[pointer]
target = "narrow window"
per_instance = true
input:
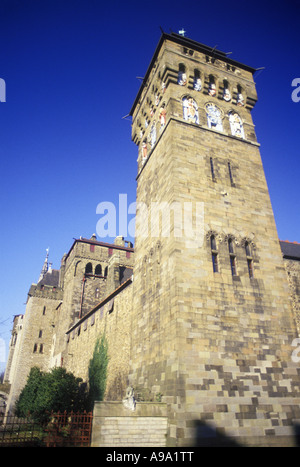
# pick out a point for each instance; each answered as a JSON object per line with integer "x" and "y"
{"x": 40, "y": 333}
{"x": 214, "y": 253}
{"x": 105, "y": 271}
{"x": 98, "y": 270}
{"x": 89, "y": 268}
{"x": 44, "y": 310}
{"x": 250, "y": 268}
{"x": 248, "y": 250}
{"x": 92, "y": 248}
{"x": 233, "y": 265}
{"x": 41, "y": 348}
{"x": 212, "y": 169}
{"x": 249, "y": 260}
{"x": 240, "y": 98}
{"x": 230, "y": 246}
{"x": 182, "y": 78}
{"x": 230, "y": 174}
{"x": 212, "y": 86}
{"x": 232, "y": 257}
{"x": 34, "y": 348}
{"x": 226, "y": 92}
{"x": 110, "y": 251}
{"x": 197, "y": 81}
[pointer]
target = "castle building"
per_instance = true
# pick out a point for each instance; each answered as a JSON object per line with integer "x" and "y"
{"x": 209, "y": 313}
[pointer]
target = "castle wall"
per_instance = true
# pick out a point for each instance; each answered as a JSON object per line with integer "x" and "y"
{"x": 293, "y": 274}
{"x": 114, "y": 320}
{"x": 35, "y": 345}
{"x": 87, "y": 281}
{"x": 14, "y": 349}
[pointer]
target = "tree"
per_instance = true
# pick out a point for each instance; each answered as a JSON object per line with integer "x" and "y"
{"x": 54, "y": 391}
{"x": 98, "y": 371}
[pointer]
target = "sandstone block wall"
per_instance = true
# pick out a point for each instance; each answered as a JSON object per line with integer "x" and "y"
{"x": 113, "y": 425}
{"x": 113, "y": 320}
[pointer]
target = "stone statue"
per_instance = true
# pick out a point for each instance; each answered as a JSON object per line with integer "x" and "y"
{"x": 129, "y": 401}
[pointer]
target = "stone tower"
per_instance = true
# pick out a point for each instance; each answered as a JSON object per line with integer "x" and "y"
{"x": 213, "y": 323}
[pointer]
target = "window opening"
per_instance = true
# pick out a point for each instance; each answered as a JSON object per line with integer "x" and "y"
{"x": 232, "y": 257}
{"x": 249, "y": 260}
{"x": 214, "y": 253}
{"x": 212, "y": 169}
{"x": 89, "y": 268}
{"x": 230, "y": 174}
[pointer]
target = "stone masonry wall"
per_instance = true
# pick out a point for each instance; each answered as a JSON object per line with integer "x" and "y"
{"x": 113, "y": 425}
{"x": 36, "y": 344}
{"x": 293, "y": 273}
{"x": 115, "y": 323}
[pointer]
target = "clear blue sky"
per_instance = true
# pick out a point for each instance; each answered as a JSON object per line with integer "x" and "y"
{"x": 70, "y": 68}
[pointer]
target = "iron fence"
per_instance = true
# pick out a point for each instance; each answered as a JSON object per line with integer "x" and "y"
{"x": 61, "y": 430}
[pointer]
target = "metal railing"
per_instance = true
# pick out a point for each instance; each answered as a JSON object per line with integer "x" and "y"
{"x": 62, "y": 429}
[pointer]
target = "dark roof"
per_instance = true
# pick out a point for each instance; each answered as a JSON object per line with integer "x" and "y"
{"x": 51, "y": 278}
{"x": 185, "y": 41}
{"x": 290, "y": 250}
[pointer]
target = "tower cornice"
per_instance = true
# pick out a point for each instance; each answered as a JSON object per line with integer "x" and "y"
{"x": 189, "y": 43}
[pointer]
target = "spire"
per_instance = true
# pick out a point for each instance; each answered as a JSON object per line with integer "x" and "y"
{"x": 45, "y": 266}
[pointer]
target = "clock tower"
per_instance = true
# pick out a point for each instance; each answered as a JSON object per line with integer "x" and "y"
{"x": 212, "y": 319}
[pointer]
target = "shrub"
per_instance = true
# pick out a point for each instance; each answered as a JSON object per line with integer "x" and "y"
{"x": 98, "y": 371}
{"x": 54, "y": 391}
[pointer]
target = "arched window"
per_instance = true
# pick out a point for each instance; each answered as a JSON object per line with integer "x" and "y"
{"x": 226, "y": 92}
{"x": 190, "y": 110}
{"x": 89, "y": 268}
{"x": 97, "y": 293}
{"x": 197, "y": 81}
{"x": 232, "y": 257}
{"x": 105, "y": 271}
{"x": 214, "y": 253}
{"x": 98, "y": 270}
{"x": 212, "y": 90}
{"x": 182, "y": 79}
{"x": 236, "y": 125}
{"x": 240, "y": 98}
{"x": 214, "y": 117}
